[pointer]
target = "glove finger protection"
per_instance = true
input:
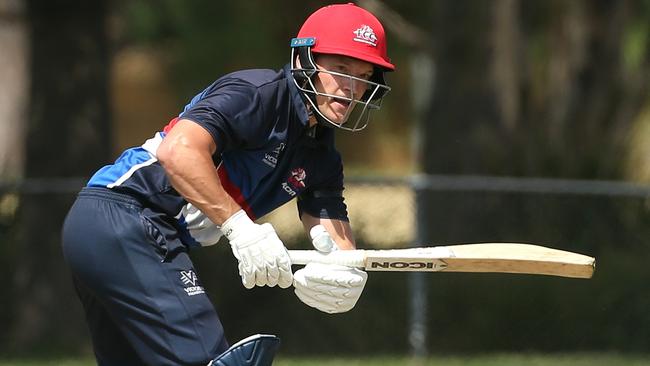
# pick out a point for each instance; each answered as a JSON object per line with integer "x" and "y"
{"x": 285, "y": 280}
{"x": 248, "y": 265}
{"x": 279, "y": 273}
{"x": 329, "y": 288}
{"x": 263, "y": 258}
{"x": 326, "y": 306}
{"x": 328, "y": 302}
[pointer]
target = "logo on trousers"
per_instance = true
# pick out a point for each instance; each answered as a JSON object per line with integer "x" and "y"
{"x": 189, "y": 279}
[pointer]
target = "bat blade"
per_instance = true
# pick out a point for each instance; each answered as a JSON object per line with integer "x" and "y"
{"x": 483, "y": 257}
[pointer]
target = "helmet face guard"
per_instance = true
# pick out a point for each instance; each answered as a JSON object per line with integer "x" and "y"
{"x": 359, "y": 107}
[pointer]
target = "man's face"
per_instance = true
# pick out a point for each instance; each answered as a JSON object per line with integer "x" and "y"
{"x": 334, "y": 108}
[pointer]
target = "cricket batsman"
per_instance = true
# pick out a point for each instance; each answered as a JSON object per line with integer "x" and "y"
{"x": 247, "y": 144}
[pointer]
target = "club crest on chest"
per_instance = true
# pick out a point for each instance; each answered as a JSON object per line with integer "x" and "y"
{"x": 295, "y": 182}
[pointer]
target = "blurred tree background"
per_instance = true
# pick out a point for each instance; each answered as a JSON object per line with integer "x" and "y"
{"x": 536, "y": 88}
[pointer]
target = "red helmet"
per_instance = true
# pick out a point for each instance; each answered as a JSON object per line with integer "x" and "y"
{"x": 345, "y": 30}
{"x": 348, "y": 30}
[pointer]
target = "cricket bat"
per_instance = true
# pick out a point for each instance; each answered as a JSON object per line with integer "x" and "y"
{"x": 482, "y": 257}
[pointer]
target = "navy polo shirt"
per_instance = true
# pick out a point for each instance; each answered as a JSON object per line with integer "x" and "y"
{"x": 266, "y": 153}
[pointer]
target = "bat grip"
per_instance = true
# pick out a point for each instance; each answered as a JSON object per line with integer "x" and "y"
{"x": 349, "y": 258}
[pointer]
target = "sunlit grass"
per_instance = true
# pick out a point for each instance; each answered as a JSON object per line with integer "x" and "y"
{"x": 486, "y": 360}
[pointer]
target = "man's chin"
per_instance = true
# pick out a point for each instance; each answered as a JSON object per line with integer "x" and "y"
{"x": 335, "y": 118}
{"x": 334, "y": 115}
{"x": 338, "y": 121}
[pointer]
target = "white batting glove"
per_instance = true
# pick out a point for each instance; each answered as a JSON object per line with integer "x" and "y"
{"x": 263, "y": 259}
{"x": 321, "y": 239}
{"x": 204, "y": 231}
{"x": 326, "y": 287}
{"x": 329, "y": 288}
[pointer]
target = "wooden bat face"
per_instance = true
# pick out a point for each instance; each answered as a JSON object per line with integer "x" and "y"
{"x": 484, "y": 257}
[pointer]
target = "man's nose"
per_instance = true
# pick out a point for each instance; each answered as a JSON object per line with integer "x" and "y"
{"x": 352, "y": 88}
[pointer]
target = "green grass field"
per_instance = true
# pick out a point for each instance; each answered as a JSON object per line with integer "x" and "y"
{"x": 487, "y": 360}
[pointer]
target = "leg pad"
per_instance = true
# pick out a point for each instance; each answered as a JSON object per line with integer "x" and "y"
{"x": 256, "y": 350}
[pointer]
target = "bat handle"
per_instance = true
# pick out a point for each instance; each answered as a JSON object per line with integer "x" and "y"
{"x": 349, "y": 258}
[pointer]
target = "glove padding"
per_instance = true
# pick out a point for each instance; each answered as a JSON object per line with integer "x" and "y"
{"x": 263, "y": 259}
{"x": 204, "y": 231}
{"x": 329, "y": 288}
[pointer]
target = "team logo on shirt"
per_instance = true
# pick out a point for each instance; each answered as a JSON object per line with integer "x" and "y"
{"x": 366, "y": 35}
{"x": 295, "y": 181}
{"x": 191, "y": 283}
{"x": 297, "y": 177}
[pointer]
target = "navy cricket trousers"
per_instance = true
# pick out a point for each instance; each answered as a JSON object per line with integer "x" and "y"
{"x": 143, "y": 301}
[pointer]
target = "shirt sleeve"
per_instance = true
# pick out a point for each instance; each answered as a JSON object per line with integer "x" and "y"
{"x": 325, "y": 200}
{"x": 232, "y": 112}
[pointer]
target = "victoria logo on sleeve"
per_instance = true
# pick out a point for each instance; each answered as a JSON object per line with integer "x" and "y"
{"x": 365, "y": 34}
{"x": 295, "y": 182}
{"x": 191, "y": 283}
{"x": 271, "y": 158}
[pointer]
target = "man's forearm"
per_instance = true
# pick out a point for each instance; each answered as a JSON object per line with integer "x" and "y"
{"x": 185, "y": 154}
{"x": 204, "y": 190}
{"x": 340, "y": 231}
